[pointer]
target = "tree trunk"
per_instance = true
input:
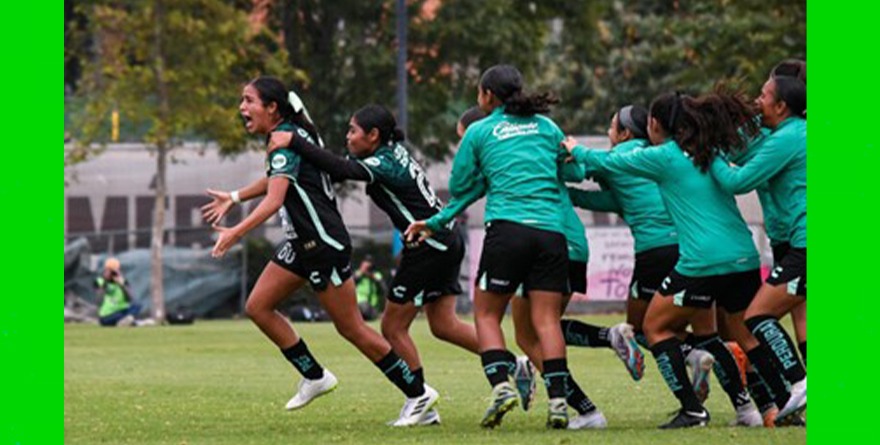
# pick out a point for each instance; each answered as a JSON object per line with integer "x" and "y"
{"x": 162, "y": 146}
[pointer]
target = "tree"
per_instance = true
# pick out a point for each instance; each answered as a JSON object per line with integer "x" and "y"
{"x": 174, "y": 69}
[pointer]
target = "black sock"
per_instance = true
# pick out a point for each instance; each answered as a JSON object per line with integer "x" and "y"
{"x": 769, "y": 332}
{"x": 802, "y": 346}
{"x": 420, "y": 374}
{"x": 498, "y": 364}
{"x": 670, "y": 361}
{"x": 725, "y": 369}
{"x": 556, "y": 377}
{"x": 299, "y": 356}
{"x": 577, "y": 399}
{"x": 763, "y": 363}
{"x": 642, "y": 340}
{"x": 396, "y": 370}
{"x": 578, "y": 333}
{"x": 759, "y": 390}
{"x": 687, "y": 345}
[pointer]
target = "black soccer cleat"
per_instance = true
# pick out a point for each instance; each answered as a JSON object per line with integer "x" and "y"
{"x": 687, "y": 419}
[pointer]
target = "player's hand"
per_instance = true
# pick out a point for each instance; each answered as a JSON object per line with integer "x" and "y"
{"x": 215, "y": 210}
{"x": 418, "y": 231}
{"x": 279, "y": 139}
{"x": 226, "y": 239}
{"x": 569, "y": 143}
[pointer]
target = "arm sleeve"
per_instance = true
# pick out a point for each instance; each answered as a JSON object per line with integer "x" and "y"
{"x": 466, "y": 183}
{"x": 572, "y": 171}
{"x": 650, "y": 163}
{"x": 338, "y": 168}
{"x": 597, "y": 201}
{"x": 769, "y": 159}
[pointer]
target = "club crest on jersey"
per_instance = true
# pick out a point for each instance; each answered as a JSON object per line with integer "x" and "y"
{"x": 279, "y": 161}
{"x": 372, "y": 161}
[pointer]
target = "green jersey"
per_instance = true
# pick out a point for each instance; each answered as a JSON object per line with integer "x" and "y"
{"x": 713, "y": 237}
{"x": 573, "y": 228}
{"x": 516, "y": 159}
{"x": 780, "y": 161}
{"x": 114, "y": 297}
{"x": 635, "y": 198}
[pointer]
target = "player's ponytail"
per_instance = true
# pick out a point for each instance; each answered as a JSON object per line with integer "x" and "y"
{"x": 505, "y": 82}
{"x": 290, "y": 106}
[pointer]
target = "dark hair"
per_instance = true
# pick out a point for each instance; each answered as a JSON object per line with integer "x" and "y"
{"x": 505, "y": 82}
{"x": 270, "y": 89}
{"x": 792, "y": 68}
{"x": 794, "y": 93}
{"x": 470, "y": 116}
{"x": 720, "y": 120}
{"x": 635, "y": 119}
{"x": 378, "y": 117}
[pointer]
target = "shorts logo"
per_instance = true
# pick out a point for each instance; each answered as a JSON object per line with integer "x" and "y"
{"x": 499, "y": 282}
{"x": 776, "y": 271}
{"x": 279, "y": 161}
{"x": 666, "y": 282}
{"x": 315, "y": 277}
{"x": 399, "y": 291}
{"x": 678, "y": 299}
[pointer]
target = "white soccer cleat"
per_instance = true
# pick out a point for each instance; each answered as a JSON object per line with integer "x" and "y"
{"x": 415, "y": 409}
{"x": 748, "y": 415}
{"x": 623, "y": 341}
{"x": 432, "y": 418}
{"x": 796, "y": 404}
{"x": 591, "y": 420}
{"x": 524, "y": 376}
{"x": 701, "y": 362}
{"x": 309, "y": 390}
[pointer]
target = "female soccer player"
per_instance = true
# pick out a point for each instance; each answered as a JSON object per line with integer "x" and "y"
{"x": 718, "y": 261}
{"x": 428, "y": 273}
{"x": 780, "y": 162}
{"x": 317, "y": 250}
{"x": 513, "y": 155}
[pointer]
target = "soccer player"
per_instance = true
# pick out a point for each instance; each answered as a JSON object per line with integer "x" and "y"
{"x": 779, "y": 161}
{"x": 316, "y": 250}
{"x": 717, "y": 259}
{"x": 512, "y": 156}
{"x": 427, "y": 277}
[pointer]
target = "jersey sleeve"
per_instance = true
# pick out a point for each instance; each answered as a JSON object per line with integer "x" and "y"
{"x": 339, "y": 168}
{"x": 650, "y": 163}
{"x": 466, "y": 183}
{"x": 770, "y": 158}
{"x": 283, "y": 162}
{"x": 595, "y": 200}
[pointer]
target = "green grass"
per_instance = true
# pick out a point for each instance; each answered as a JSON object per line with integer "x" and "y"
{"x": 222, "y": 382}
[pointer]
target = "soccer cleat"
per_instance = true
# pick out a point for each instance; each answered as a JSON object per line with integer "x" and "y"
{"x": 795, "y": 406}
{"x": 748, "y": 415}
{"x": 415, "y": 409}
{"x": 309, "y": 390}
{"x": 623, "y": 342}
{"x": 431, "y": 418}
{"x": 701, "y": 362}
{"x": 591, "y": 420}
{"x": 524, "y": 377}
{"x": 504, "y": 399}
{"x": 769, "y": 416}
{"x": 687, "y": 419}
{"x": 557, "y": 414}
{"x": 128, "y": 320}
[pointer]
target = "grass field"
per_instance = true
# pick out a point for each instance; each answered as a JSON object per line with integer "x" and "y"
{"x": 222, "y": 382}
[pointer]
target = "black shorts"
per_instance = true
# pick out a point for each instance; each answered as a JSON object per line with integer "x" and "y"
{"x": 733, "y": 292}
{"x": 577, "y": 276}
{"x": 792, "y": 272}
{"x": 426, "y": 273}
{"x": 779, "y": 251}
{"x": 322, "y": 265}
{"x": 652, "y": 266}
{"x": 515, "y": 254}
